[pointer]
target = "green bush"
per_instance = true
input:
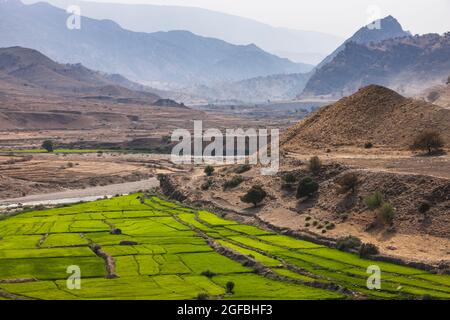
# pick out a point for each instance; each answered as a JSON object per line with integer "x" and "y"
{"x": 208, "y": 274}
{"x": 242, "y": 168}
{"x": 255, "y": 195}
{"x": 348, "y": 242}
{"x": 424, "y": 207}
{"x": 306, "y": 188}
{"x": 48, "y": 145}
{"x": 209, "y": 170}
{"x": 315, "y": 165}
{"x": 233, "y": 182}
{"x": 206, "y": 185}
{"x": 386, "y": 213}
{"x": 230, "y": 287}
{"x": 202, "y": 296}
{"x": 368, "y": 249}
{"x": 374, "y": 201}
{"x": 289, "y": 178}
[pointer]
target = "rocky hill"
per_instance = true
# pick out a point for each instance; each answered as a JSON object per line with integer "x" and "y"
{"x": 373, "y": 114}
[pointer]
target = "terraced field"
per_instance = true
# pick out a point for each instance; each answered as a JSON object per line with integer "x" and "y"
{"x": 153, "y": 249}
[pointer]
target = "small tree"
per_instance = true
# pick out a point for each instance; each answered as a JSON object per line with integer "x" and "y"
{"x": 430, "y": 141}
{"x": 230, "y": 287}
{"x": 306, "y": 188}
{"x": 48, "y": 145}
{"x": 315, "y": 165}
{"x": 209, "y": 170}
{"x": 255, "y": 195}
{"x": 348, "y": 182}
{"x": 368, "y": 249}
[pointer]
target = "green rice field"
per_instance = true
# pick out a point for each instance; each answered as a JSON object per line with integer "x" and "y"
{"x": 162, "y": 250}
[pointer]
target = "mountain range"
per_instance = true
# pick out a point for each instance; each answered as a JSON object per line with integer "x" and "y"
{"x": 408, "y": 65}
{"x": 23, "y": 67}
{"x": 297, "y": 45}
{"x": 178, "y": 58}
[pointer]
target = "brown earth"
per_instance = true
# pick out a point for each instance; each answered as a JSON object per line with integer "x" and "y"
{"x": 374, "y": 114}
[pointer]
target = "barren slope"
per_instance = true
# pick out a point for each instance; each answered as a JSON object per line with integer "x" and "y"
{"x": 373, "y": 114}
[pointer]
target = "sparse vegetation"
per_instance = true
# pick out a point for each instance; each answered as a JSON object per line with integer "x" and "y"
{"x": 209, "y": 169}
{"x": 347, "y": 243}
{"x": 48, "y": 145}
{"x": 348, "y": 182}
{"x": 374, "y": 201}
{"x": 255, "y": 195}
{"x": 233, "y": 182}
{"x": 368, "y": 145}
{"x": 289, "y": 178}
{"x": 315, "y": 164}
{"x": 386, "y": 213}
{"x": 368, "y": 249}
{"x": 206, "y": 185}
{"x": 242, "y": 168}
{"x": 306, "y": 188}
{"x": 430, "y": 141}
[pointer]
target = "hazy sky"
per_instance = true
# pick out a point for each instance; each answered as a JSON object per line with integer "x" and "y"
{"x": 341, "y": 17}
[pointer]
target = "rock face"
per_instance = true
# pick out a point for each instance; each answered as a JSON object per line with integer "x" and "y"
{"x": 177, "y": 57}
{"x": 407, "y": 65}
{"x": 386, "y": 28}
{"x": 374, "y": 114}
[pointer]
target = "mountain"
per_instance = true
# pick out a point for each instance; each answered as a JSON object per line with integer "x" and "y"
{"x": 438, "y": 94}
{"x": 386, "y": 28}
{"x": 407, "y": 65}
{"x": 28, "y": 67}
{"x": 176, "y": 57}
{"x": 300, "y": 46}
{"x": 256, "y": 90}
{"x": 373, "y": 114}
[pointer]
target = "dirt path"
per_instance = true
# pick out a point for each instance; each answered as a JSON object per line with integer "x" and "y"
{"x": 99, "y": 191}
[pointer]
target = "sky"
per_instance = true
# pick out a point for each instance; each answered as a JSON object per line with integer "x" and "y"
{"x": 340, "y": 17}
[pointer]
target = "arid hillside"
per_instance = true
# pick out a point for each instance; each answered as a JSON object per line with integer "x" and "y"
{"x": 374, "y": 114}
{"x": 439, "y": 95}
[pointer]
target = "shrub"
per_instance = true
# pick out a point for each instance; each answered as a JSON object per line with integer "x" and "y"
{"x": 233, "y": 182}
{"x": 315, "y": 165}
{"x": 430, "y": 141}
{"x": 202, "y": 296}
{"x": 348, "y": 242}
{"x": 374, "y": 201}
{"x": 308, "y": 218}
{"x": 368, "y": 145}
{"x": 230, "y": 287}
{"x": 324, "y": 231}
{"x": 315, "y": 223}
{"x": 307, "y": 225}
{"x": 48, "y": 145}
{"x": 208, "y": 274}
{"x": 424, "y": 207}
{"x": 206, "y": 185}
{"x": 242, "y": 168}
{"x": 330, "y": 226}
{"x": 367, "y": 249}
{"x": 348, "y": 182}
{"x": 255, "y": 195}
{"x": 386, "y": 213}
{"x": 209, "y": 170}
{"x": 289, "y": 178}
{"x": 306, "y": 188}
